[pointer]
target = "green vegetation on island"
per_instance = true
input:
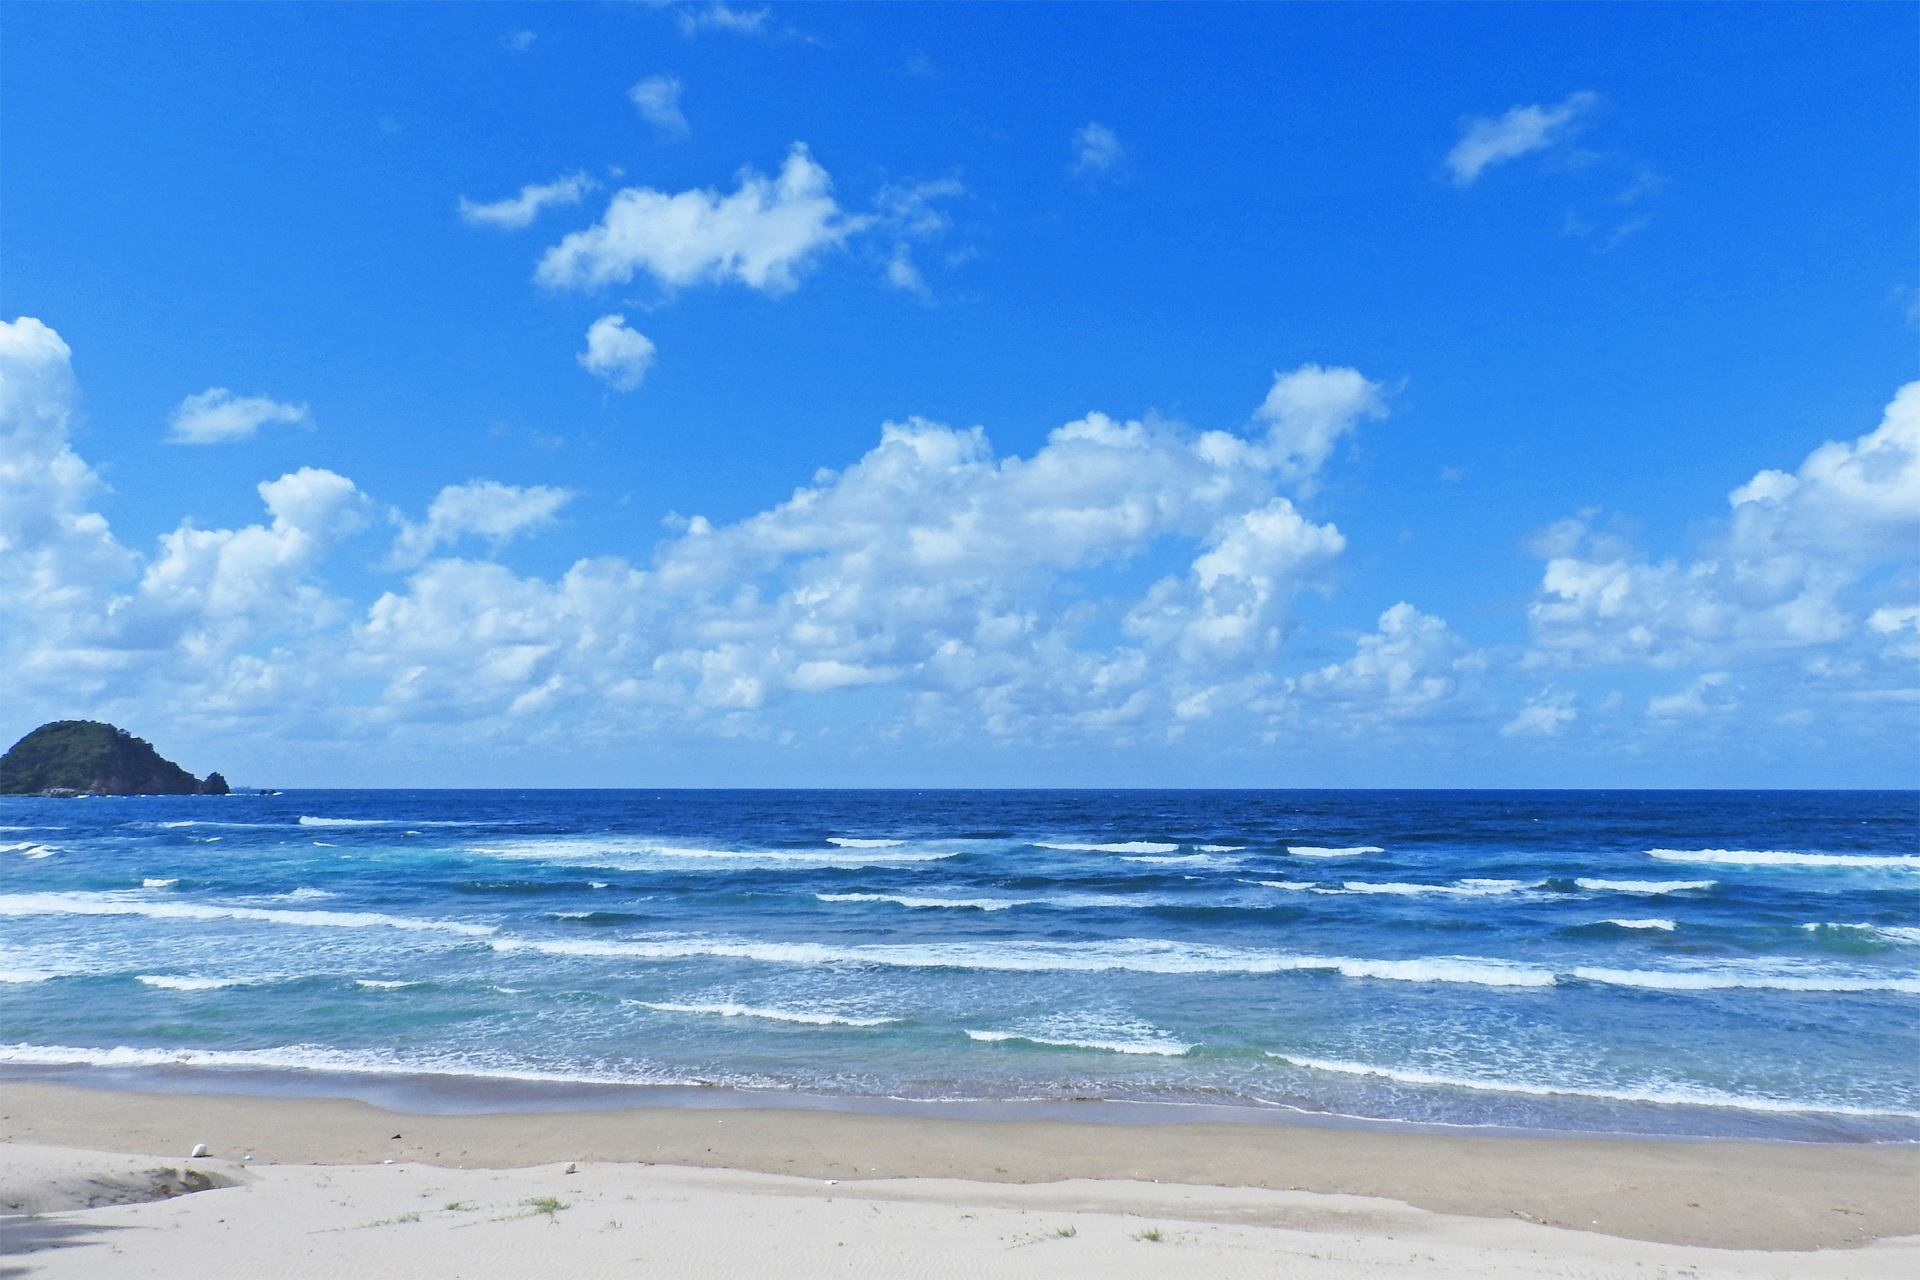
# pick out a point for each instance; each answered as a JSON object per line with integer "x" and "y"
{"x": 88, "y": 757}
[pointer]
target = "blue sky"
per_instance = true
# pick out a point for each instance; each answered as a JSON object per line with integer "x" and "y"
{"x": 418, "y": 395}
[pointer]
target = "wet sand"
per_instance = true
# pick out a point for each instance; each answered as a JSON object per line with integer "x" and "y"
{"x": 1723, "y": 1195}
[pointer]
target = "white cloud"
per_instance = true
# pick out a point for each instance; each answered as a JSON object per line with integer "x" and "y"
{"x": 482, "y": 508}
{"x": 1096, "y": 150}
{"x": 1231, "y": 606}
{"x": 1545, "y": 714}
{"x": 217, "y": 416}
{"x": 1413, "y": 667}
{"x": 761, "y": 235}
{"x": 615, "y": 354}
{"x": 903, "y": 274}
{"x": 931, "y": 571}
{"x": 658, "y": 101}
{"x": 1308, "y": 410}
{"x": 942, "y": 596}
{"x": 520, "y": 211}
{"x": 518, "y": 41}
{"x": 1786, "y": 579}
{"x": 56, "y": 554}
{"x": 910, "y": 213}
{"x": 1486, "y": 142}
{"x": 723, "y": 17}
{"x": 1704, "y": 696}
{"x": 216, "y": 591}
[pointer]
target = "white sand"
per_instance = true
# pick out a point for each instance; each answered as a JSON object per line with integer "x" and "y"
{"x": 630, "y": 1220}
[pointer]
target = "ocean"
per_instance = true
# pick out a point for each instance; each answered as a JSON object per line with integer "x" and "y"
{"x": 1734, "y": 964}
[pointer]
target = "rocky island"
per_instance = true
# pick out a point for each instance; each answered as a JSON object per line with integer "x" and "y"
{"x": 91, "y": 758}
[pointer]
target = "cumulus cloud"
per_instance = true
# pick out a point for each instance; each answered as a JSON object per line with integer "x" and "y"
{"x": 1412, "y": 667}
{"x": 519, "y": 211}
{"x": 1705, "y": 695}
{"x": 932, "y": 571}
{"x": 658, "y": 100}
{"x": 1487, "y": 142}
{"x": 615, "y": 354}
{"x": 761, "y": 235}
{"x": 56, "y": 553}
{"x": 1308, "y": 410}
{"x": 1096, "y": 150}
{"x": 1545, "y": 714}
{"x": 217, "y": 416}
{"x": 1231, "y": 605}
{"x": 482, "y": 508}
{"x": 1804, "y": 556}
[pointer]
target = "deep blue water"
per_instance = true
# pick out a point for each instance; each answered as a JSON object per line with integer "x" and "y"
{"x": 1737, "y": 963}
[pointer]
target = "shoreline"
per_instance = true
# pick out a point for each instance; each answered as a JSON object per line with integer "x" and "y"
{"x": 464, "y": 1094}
{"x": 1712, "y": 1193}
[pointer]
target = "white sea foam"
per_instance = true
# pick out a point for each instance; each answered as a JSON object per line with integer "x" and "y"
{"x": 1167, "y": 1048}
{"x": 1315, "y": 851}
{"x": 1130, "y": 846}
{"x": 631, "y": 853}
{"x": 1680, "y": 1095}
{"x": 847, "y": 842}
{"x": 1668, "y": 925}
{"x": 1184, "y": 860}
{"x": 1775, "y": 858}
{"x": 1879, "y": 932}
{"x": 1220, "y": 848}
{"x": 153, "y": 883}
{"x": 108, "y": 904}
{"x": 1772, "y": 978}
{"x": 1465, "y": 889}
{"x": 28, "y": 849}
{"x": 203, "y": 822}
{"x": 381, "y": 985}
{"x": 313, "y": 1057}
{"x": 1643, "y": 886}
{"x": 973, "y": 904}
{"x": 302, "y": 895}
{"x": 189, "y": 984}
{"x": 1140, "y": 955}
{"x": 775, "y": 1015}
{"x": 28, "y": 975}
{"x": 349, "y": 822}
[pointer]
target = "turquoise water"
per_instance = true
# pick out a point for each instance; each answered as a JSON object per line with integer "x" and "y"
{"x": 1731, "y": 963}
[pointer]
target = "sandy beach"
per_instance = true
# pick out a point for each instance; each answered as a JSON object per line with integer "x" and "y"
{"x": 340, "y": 1187}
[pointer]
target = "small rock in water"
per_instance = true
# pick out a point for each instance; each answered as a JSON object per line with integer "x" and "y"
{"x": 199, "y": 1149}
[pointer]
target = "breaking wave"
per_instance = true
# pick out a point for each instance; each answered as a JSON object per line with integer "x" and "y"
{"x": 1140, "y": 955}
{"x": 1774, "y": 858}
{"x": 1643, "y": 886}
{"x": 1130, "y": 846}
{"x": 90, "y": 904}
{"x": 774, "y": 1015}
{"x": 1677, "y": 1095}
{"x": 190, "y": 984}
